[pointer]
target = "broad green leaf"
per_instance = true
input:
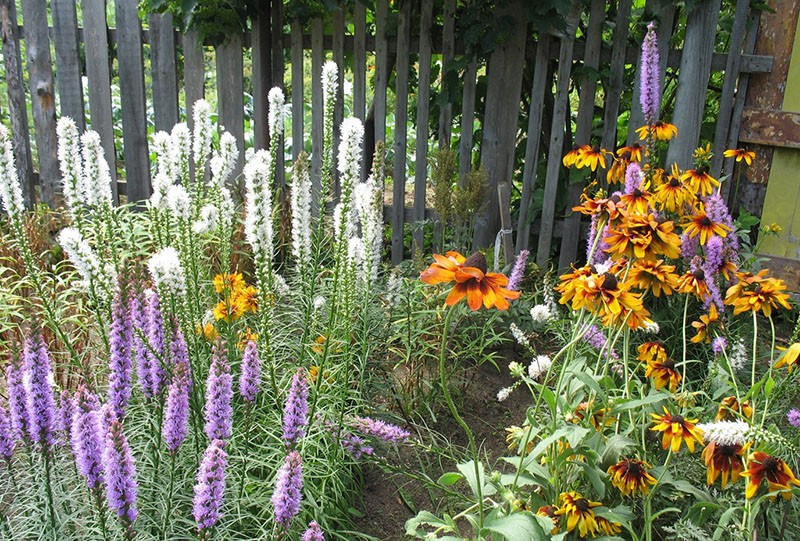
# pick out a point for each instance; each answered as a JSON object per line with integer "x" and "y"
{"x": 449, "y": 478}
{"x": 427, "y": 518}
{"x": 517, "y": 527}
{"x": 468, "y": 470}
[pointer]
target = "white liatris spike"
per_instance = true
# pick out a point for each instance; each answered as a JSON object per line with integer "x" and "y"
{"x": 278, "y": 112}
{"x": 69, "y": 159}
{"x": 167, "y": 272}
{"x": 161, "y": 146}
{"x": 224, "y": 162}
{"x": 540, "y": 365}
{"x": 725, "y": 432}
{"x": 180, "y": 151}
{"x": 349, "y": 161}
{"x": 355, "y": 253}
{"x": 10, "y": 189}
{"x": 202, "y": 133}
{"x": 226, "y": 209}
{"x": 84, "y": 259}
{"x": 161, "y": 186}
{"x": 519, "y": 335}
{"x": 258, "y": 194}
{"x": 370, "y": 213}
{"x": 301, "y": 211}
{"x": 179, "y": 202}
{"x": 330, "y": 75}
{"x": 96, "y": 178}
{"x": 207, "y": 221}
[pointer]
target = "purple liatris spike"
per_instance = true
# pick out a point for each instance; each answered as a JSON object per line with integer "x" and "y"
{"x": 139, "y": 337}
{"x": 176, "y": 415}
{"x": 633, "y": 177}
{"x": 7, "y": 442}
{"x": 376, "y": 428}
{"x": 120, "y": 477}
{"x": 595, "y": 337}
{"x": 689, "y": 246}
{"x": 649, "y": 85}
{"x": 295, "y": 410}
{"x": 719, "y": 345}
{"x": 158, "y": 348}
{"x": 518, "y": 272}
{"x": 313, "y": 533}
{"x": 250, "y": 379}
{"x": 88, "y": 438}
{"x": 64, "y": 414}
{"x": 17, "y": 397}
{"x": 40, "y": 400}
{"x": 288, "y": 490}
{"x": 120, "y": 362}
{"x": 180, "y": 352}
{"x": 794, "y": 417}
{"x": 219, "y": 392}
{"x": 209, "y": 489}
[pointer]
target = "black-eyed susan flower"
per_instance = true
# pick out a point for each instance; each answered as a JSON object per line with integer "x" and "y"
{"x": 227, "y": 311}
{"x": 673, "y": 195}
{"x": 660, "y": 131}
{"x": 571, "y": 157}
{"x": 608, "y": 527}
{"x": 578, "y": 512}
{"x": 655, "y": 276}
{"x": 472, "y": 281}
{"x": 663, "y": 374}
{"x": 616, "y": 173}
{"x": 638, "y": 201}
{"x": 779, "y": 476}
{"x": 549, "y": 511}
{"x": 700, "y": 181}
{"x": 608, "y": 208}
{"x": 705, "y": 324}
{"x": 246, "y": 297}
{"x": 729, "y": 407}
{"x": 676, "y": 429}
{"x": 694, "y": 283}
{"x": 704, "y": 226}
{"x": 632, "y": 153}
{"x": 741, "y": 154}
{"x": 631, "y": 477}
{"x": 757, "y": 293}
{"x": 207, "y": 331}
{"x": 643, "y": 237}
{"x": 723, "y": 460}
{"x": 228, "y": 282}
{"x": 651, "y": 351}
{"x": 592, "y": 157}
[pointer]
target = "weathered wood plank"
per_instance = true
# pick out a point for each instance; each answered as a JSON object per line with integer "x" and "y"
{"x": 771, "y": 128}
{"x": 467, "y": 121}
{"x": 132, "y": 94}
{"x": 276, "y": 16}
{"x": 693, "y": 80}
{"x": 381, "y": 71}
{"x": 360, "y": 64}
{"x": 317, "y": 107}
{"x": 230, "y": 93}
{"x": 423, "y": 113}
{"x": 616, "y": 77}
{"x": 583, "y": 129}
{"x": 193, "y": 72}
{"x": 164, "y": 69}
{"x": 98, "y": 73}
{"x": 400, "y": 131}
{"x": 262, "y": 76}
{"x": 338, "y": 108}
{"x": 297, "y": 88}
{"x": 448, "y": 52}
{"x": 556, "y": 139}
{"x": 506, "y": 231}
{"x": 538, "y": 88}
{"x": 43, "y": 99}
{"x": 68, "y": 61}
{"x": 504, "y": 75}
{"x": 17, "y": 110}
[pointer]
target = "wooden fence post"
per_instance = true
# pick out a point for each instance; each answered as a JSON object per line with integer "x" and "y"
{"x": 317, "y": 108}
{"x": 448, "y": 52}
{"x": 506, "y": 231}
{"x": 381, "y": 64}
{"x": 165, "y": 74}
{"x": 467, "y": 121}
{"x": 297, "y": 88}
{"x": 261, "y": 44}
{"x": 230, "y": 93}
{"x": 423, "y": 112}
{"x": 193, "y": 72}
{"x": 43, "y": 99}
{"x": 276, "y": 15}
{"x": 68, "y": 62}
{"x": 615, "y": 78}
{"x": 400, "y": 132}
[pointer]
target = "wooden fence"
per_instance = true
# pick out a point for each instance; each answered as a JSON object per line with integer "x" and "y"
{"x": 563, "y": 63}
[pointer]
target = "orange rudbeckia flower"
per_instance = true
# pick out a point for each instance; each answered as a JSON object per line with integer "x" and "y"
{"x": 757, "y": 293}
{"x": 472, "y": 281}
{"x": 704, "y": 226}
{"x": 724, "y": 460}
{"x": 677, "y": 429}
{"x": 630, "y": 476}
{"x": 741, "y": 154}
{"x": 660, "y": 131}
{"x": 778, "y": 474}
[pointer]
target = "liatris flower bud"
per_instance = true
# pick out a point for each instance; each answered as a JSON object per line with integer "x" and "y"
{"x": 209, "y": 489}
{"x": 160, "y": 146}
{"x": 64, "y": 415}
{"x": 96, "y": 179}
{"x": 330, "y": 75}
{"x": 69, "y": 159}
{"x": 313, "y": 533}
{"x": 633, "y": 177}
{"x": 167, "y": 272}
{"x": 384, "y": 431}
{"x": 203, "y": 132}
{"x": 180, "y": 149}
{"x": 258, "y": 221}
{"x": 251, "y": 373}
{"x": 88, "y": 439}
{"x": 180, "y": 352}
{"x": 288, "y": 492}
{"x": 17, "y": 397}
{"x": 518, "y": 272}
{"x": 295, "y": 410}
{"x": 278, "y": 112}
{"x": 301, "y": 211}
{"x": 156, "y": 353}
{"x": 597, "y": 339}
{"x": 719, "y": 345}
{"x": 138, "y": 316}
{"x": 219, "y": 392}
{"x": 85, "y": 261}
{"x": 793, "y": 416}
{"x": 7, "y": 442}
{"x": 223, "y": 163}
{"x": 120, "y": 363}
{"x": 649, "y": 85}
{"x": 120, "y": 478}
{"x": 176, "y": 415}
{"x": 40, "y": 400}
{"x": 10, "y": 189}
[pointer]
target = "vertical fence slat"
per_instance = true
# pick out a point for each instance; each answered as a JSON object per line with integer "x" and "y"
{"x": 360, "y": 63}
{"x": 534, "y": 138}
{"x": 467, "y": 121}
{"x": 317, "y": 116}
{"x": 400, "y": 131}
{"x": 701, "y": 28}
{"x": 448, "y": 52}
{"x": 381, "y": 69}
{"x": 95, "y": 38}
{"x": 68, "y": 61}
{"x": 131, "y": 83}
{"x": 16, "y": 98}
{"x": 616, "y": 76}
{"x": 43, "y": 99}
{"x": 297, "y": 88}
{"x": 583, "y": 131}
{"x": 423, "y": 104}
{"x": 729, "y": 86}
{"x": 338, "y": 109}
{"x": 165, "y": 75}
{"x": 556, "y": 139}
{"x": 193, "y": 71}
{"x": 276, "y": 16}
{"x": 261, "y": 42}
{"x": 230, "y": 93}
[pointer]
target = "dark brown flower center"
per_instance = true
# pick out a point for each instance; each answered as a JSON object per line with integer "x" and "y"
{"x": 677, "y": 419}
{"x": 703, "y": 170}
{"x": 478, "y": 261}
{"x": 610, "y": 282}
{"x": 699, "y": 275}
{"x": 637, "y": 193}
{"x": 757, "y": 289}
{"x": 706, "y": 222}
{"x": 614, "y": 198}
{"x": 674, "y": 182}
{"x": 669, "y": 363}
{"x": 770, "y": 465}
{"x": 728, "y": 451}
{"x": 582, "y": 504}
{"x": 634, "y": 468}
{"x": 595, "y": 149}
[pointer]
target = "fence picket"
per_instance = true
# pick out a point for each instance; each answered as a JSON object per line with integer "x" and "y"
{"x": 467, "y": 121}
{"x": 68, "y": 62}
{"x": 338, "y": 109}
{"x": 360, "y": 65}
{"x": 400, "y": 131}
{"x": 230, "y": 93}
{"x": 317, "y": 107}
{"x": 261, "y": 44}
{"x": 165, "y": 74}
{"x": 297, "y": 88}
{"x": 448, "y": 52}
{"x": 193, "y": 71}
{"x": 276, "y": 16}
{"x": 381, "y": 69}
{"x": 423, "y": 106}
{"x": 613, "y": 89}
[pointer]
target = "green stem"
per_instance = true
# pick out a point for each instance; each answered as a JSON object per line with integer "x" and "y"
{"x": 683, "y": 338}
{"x": 168, "y": 507}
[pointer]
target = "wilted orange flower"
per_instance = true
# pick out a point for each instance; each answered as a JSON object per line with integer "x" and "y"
{"x": 706, "y": 322}
{"x": 724, "y": 460}
{"x": 591, "y": 157}
{"x": 319, "y": 344}
{"x": 550, "y": 512}
{"x": 676, "y": 429}
{"x": 779, "y": 475}
{"x": 700, "y": 181}
{"x": 663, "y": 374}
{"x": 228, "y": 282}
{"x": 643, "y": 237}
{"x": 247, "y": 298}
{"x": 651, "y": 351}
{"x": 757, "y": 293}
{"x": 741, "y": 154}
{"x": 571, "y": 157}
{"x": 694, "y": 283}
{"x": 473, "y": 282}
{"x": 630, "y": 476}
{"x": 730, "y": 405}
{"x": 704, "y": 226}
{"x": 789, "y": 357}
{"x": 632, "y": 153}
{"x": 574, "y": 284}
{"x": 578, "y": 512}
{"x": 616, "y": 173}
{"x": 660, "y": 131}
{"x": 607, "y": 527}
{"x": 611, "y": 206}
{"x": 653, "y": 276}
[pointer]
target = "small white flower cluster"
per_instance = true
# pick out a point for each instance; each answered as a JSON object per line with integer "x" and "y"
{"x": 167, "y": 272}
{"x": 330, "y": 76}
{"x": 319, "y": 303}
{"x": 95, "y": 183}
{"x": 542, "y": 314}
{"x": 651, "y": 327}
{"x": 224, "y": 162}
{"x": 519, "y": 335}
{"x": 160, "y": 144}
{"x": 738, "y": 356}
{"x": 202, "y": 133}
{"x": 278, "y": 113}
{"x": 539, "y": 366}
{"x": 70, "y": 161}
{"x": 178, "y": 202}
{"x": 209, "y": 216}
{"x": 180, "y": 151}
{"x": 226, "y": 209}
{"x": 395, "y": 289}
{"x": 725, "y": 432}
{"x": 369, "y": 205}
{"x": 85, "y": 261}
{"x": 10, "y": 189}
{"x": 258, "y": 221}
{"x": 282, "y": 288}
{"x": 301, "y": 212}
{"x": 504, "y": 393}
{"x": 516, "y": 369}
{"x": 345, "y": 214}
